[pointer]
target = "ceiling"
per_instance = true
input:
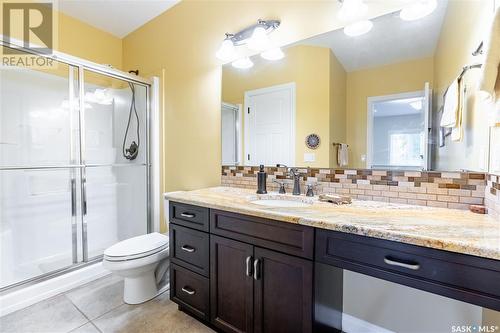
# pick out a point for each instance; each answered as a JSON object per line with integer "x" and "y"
{"x": 118, "y": 17}
{"x": 398, "y": 107}
{"x": 391, "y": 40}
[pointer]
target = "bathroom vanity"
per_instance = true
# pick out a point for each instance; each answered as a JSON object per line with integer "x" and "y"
{"x": 243, "y": 267}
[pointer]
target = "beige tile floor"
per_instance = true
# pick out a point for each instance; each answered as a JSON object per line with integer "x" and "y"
{"x": 98, "y": 307}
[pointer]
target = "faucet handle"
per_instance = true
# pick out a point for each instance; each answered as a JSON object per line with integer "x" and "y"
{"x": 310, "y": 192}
{"x": 282, "y": 186}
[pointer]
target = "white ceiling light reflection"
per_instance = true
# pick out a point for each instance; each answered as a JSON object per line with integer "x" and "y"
{"x": 227, "y": 51}
{"x": 352, "y": 10}
{"x": 418, "y": 10}
{"x": 273, "y": 54}
{"x": 99, "y": 96}
{"x": 358, "y": 28}
{"x": 242, "y": 63}
{"x": 417, "y": 105}
{"x": 259, "y": 40}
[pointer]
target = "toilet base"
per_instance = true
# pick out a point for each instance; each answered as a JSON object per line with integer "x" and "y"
{"x": 139, "y": 289}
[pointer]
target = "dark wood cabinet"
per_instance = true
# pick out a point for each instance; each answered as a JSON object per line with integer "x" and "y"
{"x": 258, "y": 290}
{"x": 231, "y": 285}
{"x": 243, "y": 273}
{"x": 282, "y": 293}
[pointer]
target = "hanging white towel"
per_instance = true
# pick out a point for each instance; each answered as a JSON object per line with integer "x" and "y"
{"x": 457, "y": 131}
{"x": 451, "y": 105}
{"x": 343, "y": 155}
{"x": 488, "y": 83}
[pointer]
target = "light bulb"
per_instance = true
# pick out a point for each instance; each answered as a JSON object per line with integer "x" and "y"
{"x": 227, "y": 51}
{"x": 259, "y": 40}
{"x": 418, "y": 10}
{"x": 242, "y": 63}
{"x": 358, "y": 28}
{"x": 273, "y": 54}
{"x": 352, "y": 10}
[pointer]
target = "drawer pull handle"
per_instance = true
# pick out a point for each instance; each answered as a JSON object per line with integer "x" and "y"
{"x": 188, "y": 248}
{"x": 188, "y": 290}
{"x": 249, "y": 266}
{"x": 188, "y": 215}
{"x": 392, "y": 262}
{"x": 256, "y": 269}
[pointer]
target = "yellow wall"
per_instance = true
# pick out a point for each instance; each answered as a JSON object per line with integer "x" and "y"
{"x": 84, "y": 41}
{"x": 338, "y": 131}
{"x": 385, "y": 80}
{"x": 307, "y": 67}
{"x": 464, "y": 26}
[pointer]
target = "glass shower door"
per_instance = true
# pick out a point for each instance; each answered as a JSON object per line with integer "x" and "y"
{"x": 116, "y": 179}
{"x": 39, "y": 172}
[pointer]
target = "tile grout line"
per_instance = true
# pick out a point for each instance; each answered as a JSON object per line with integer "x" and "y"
{"x": 96, "y": 327}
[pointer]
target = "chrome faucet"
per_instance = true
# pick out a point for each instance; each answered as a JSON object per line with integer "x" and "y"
{"x": 295, "y": 175}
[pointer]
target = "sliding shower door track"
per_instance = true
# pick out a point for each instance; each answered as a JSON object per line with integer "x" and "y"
{"x": 48, "y": 276}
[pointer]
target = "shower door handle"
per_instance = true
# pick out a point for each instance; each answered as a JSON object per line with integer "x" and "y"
{"x": 84, "y": 196}
{"x": 74, "y": 241}
{"x": 84, "y": 224}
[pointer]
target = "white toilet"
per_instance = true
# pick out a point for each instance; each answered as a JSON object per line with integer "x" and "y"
{"x": 136, "y": 260}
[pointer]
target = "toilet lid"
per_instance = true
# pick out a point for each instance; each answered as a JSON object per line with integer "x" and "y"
{"x": 143, "y": 244}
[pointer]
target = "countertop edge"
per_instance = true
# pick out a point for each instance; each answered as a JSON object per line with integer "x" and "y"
{"x": 437, "y": 244}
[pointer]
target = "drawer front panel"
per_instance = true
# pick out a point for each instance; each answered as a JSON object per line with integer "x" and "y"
{"x": 189, "y": 290}
{"x": 189, "y": 216}
{"x": 281, "y": 236}
{"x": 190, "y": 248}
{"x": 471, "y": 275}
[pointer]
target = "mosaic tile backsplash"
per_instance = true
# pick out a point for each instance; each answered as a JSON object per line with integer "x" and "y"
{"x": 437, "y": 189}
{"x": 492, "y": 195}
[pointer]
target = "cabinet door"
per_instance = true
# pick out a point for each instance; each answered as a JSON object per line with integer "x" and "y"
{"x": 231, "y": 285}
{"x": 282, "y": 293}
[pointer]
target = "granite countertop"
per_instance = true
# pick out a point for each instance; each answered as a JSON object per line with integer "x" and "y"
{"x": 439, "y": 228}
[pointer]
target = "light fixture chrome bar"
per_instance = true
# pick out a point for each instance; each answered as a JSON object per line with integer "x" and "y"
{"x": 242, "y": 36}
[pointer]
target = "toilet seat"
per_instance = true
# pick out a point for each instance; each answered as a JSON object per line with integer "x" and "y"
{"x": 137, "y": 247}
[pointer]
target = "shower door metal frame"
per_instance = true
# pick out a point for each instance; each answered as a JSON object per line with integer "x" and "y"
{"x": 81, "y": 65}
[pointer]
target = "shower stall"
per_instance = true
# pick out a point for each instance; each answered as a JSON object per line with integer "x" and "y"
{"x": 75, "y": 166}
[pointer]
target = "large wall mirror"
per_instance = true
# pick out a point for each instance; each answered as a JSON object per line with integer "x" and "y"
{"x": 374, "y": 100}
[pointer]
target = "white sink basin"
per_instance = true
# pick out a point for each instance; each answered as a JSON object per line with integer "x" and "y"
{"x": 280, "y": 200}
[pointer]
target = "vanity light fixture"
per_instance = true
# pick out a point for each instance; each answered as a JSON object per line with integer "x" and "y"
{"x": 358, "y": 28}
{"x": 273, "y": 54}
{"x": 243, "y": 63}
{"x": 418, "y": 10}
{"x": 227, "y": 51}
{"x": 255, "y": 37}
{"x": 352, "y": 10}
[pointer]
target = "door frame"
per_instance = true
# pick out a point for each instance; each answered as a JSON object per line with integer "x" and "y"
{"x": 238, "y": 110}
{"x": 250, "y": 93}
{"x": 369, "y": 120}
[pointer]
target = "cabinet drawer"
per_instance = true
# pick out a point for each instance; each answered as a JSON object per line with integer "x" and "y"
{"x": 190, "y": 248}
{"x": 189, "y": 216}
{"x": 189, "y": 290}
{"x": 281, "y": 236}
{"x": 468, "y": 278}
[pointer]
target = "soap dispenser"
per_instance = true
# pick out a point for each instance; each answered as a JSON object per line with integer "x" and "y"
{"x": 261, "y": 180}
